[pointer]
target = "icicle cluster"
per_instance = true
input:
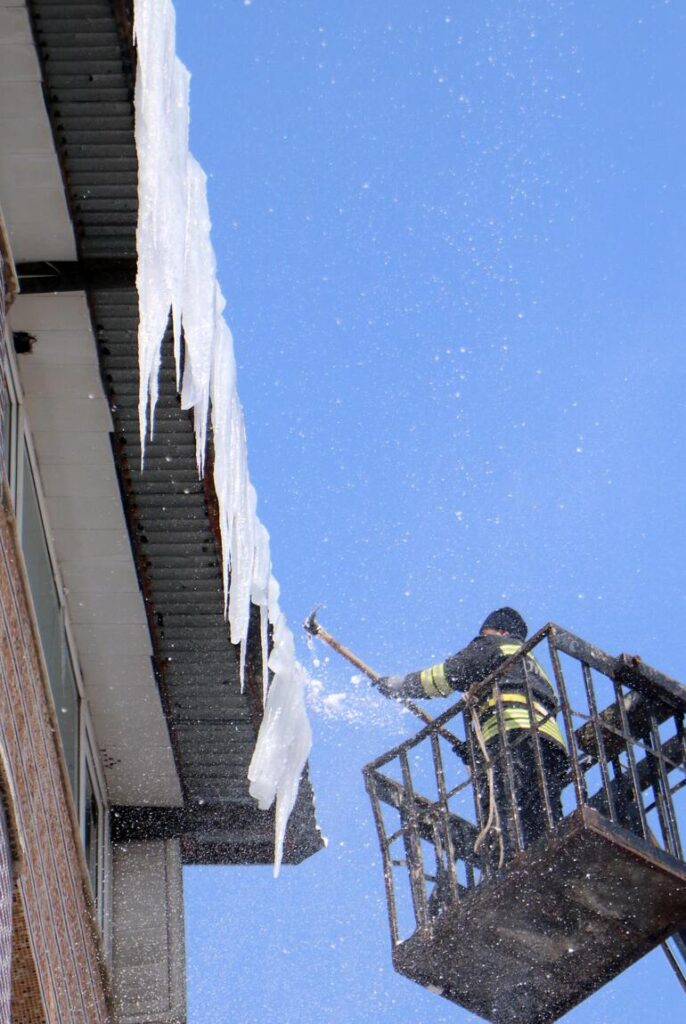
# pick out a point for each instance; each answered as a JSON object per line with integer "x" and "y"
{"x": 177, "y": 272}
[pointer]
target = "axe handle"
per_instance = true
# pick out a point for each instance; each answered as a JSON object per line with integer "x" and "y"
{"x": 357, "y": 662}
{"x": 369, "y": 672}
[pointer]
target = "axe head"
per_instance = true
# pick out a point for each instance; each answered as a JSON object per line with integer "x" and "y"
{"x": 310, "y": 625}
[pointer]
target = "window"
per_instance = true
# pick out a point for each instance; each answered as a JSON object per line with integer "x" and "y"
{"x": 19, "y": 467}
{"x": 50, "y": 618}
{"x": 95, "y": 831}
{"x": 91, "y": 829}
{"x": 8, "y": 407}
{"x": 5, "y": 420}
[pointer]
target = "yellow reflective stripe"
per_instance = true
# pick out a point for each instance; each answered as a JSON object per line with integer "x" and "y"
{"x": 517, "y": 698}
{"x": 434, "y": 682}
{"x": 509, "y": 649}
{"x": 440, "y": 682}
{"x": 549, "y": 729}
{"x": 539, "y": 668}
{"x": 427, "y": 682}
{"x": 552, "y": 729}
{"x": 518, "y": 718}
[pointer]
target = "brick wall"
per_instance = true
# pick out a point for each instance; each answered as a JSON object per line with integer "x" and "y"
{"x": 53, "y": 920}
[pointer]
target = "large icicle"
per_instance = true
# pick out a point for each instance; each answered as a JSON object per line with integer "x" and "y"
{"x": 285, "y": 738}
{"x": 203, "y": 304}
{"x": 161, "y": 101}
{"x": 177, "y": 272}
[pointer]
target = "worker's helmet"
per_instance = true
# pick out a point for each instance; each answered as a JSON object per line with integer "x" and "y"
{"x": 507, "y": 619}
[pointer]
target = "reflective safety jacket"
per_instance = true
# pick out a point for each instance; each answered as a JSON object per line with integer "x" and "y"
{"x": 476, "y": 661}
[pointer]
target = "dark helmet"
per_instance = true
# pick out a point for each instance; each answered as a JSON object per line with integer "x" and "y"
{"x": 508, "y": 620}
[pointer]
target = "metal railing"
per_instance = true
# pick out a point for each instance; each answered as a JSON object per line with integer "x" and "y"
{"x": 457, "y": 802}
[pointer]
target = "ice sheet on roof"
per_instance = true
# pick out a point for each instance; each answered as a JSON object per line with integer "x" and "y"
{"x": 177, "y": 271}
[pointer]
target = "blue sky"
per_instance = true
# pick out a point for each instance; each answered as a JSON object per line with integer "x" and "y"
{"x": 451, "y": 240}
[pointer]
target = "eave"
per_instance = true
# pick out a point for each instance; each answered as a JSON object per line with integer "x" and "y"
{"x": 85, "y": 51}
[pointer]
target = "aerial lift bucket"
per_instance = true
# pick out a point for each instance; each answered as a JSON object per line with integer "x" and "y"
{"x": 521, "y": 931}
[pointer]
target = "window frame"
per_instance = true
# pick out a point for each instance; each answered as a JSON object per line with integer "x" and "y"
{"x": 21, "y": 439}
{"x": 90, "y": 769}
{"x": 13, "y": 393}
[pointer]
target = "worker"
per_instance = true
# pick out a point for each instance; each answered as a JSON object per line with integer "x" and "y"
{"x": 502, "y": 634}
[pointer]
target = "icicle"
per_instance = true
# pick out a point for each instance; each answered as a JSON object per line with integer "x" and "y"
{"x": 264, "y": 643}
{"x": 285, "y": 738}
{"x": 161, "y": 102}
{"x": 177, "y": 273}
{"x": 203, "y": 304}
{"x": 260, "y": 597}
{"x": 174, "y": 207}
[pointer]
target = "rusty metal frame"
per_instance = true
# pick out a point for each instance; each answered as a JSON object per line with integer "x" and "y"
{"x": 639, "y": 763}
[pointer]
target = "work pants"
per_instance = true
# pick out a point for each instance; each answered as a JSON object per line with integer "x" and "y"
{"x": 525, "y": 792}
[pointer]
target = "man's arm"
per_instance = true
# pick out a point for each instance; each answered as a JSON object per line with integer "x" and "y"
{"x": 456, "y": 673}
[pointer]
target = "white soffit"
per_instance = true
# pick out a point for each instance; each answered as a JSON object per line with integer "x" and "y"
{"x": 31, "y": 189}
{"x": 70, "y": 423}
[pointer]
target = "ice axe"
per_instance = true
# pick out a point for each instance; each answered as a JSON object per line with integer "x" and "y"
{"x": 311, "y": 626}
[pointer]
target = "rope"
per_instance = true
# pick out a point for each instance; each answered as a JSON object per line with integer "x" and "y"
{"x": 493, "y": 819}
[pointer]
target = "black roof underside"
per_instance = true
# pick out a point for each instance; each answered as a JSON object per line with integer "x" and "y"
{"x": 88, "y": 65}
